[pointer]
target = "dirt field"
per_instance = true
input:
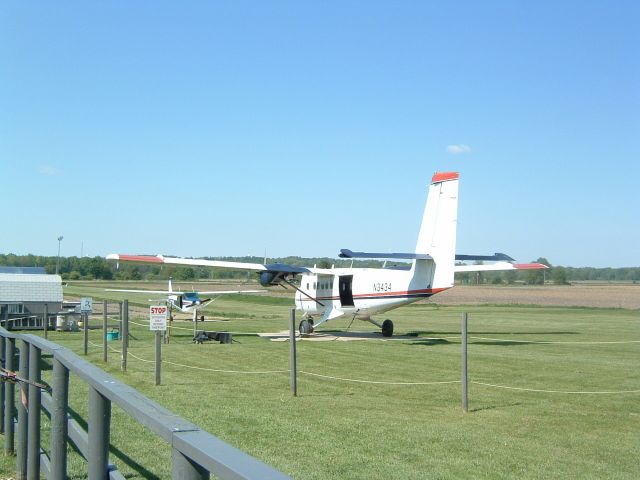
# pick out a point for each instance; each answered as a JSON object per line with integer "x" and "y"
{"x": 604, "y": 296}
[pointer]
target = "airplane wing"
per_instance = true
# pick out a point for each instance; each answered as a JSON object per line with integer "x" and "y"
{"x": 176, "y": 292}
{"x": 498, "y": 266}
{"x": 166, "y": 292}
{"x": 197, "y": 262}
{"x": 229, "y": 292}
{"x": 270, "y": 274}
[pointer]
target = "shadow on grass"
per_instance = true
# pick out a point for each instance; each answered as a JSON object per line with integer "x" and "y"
{"x": 505, "y": 343}
{"x": 495, "y": 407}
{"x": 417, "y": 333}
{"x": 116, "y": 452}
{"x": 311, "y": 395}
{"x": 429, "y": 342}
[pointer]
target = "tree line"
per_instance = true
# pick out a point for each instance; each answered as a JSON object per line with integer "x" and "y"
{"x": 97, "y": 268}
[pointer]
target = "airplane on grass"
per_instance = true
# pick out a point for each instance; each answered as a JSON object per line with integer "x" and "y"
{"x": 185, "y": 302}
{"x": 324, "y": 294}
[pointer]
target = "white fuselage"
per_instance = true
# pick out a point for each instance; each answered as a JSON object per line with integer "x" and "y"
{"x": 363, "y": 292}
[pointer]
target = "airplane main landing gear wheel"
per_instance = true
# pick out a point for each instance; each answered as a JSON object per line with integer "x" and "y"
{"x": 306, "y": 327}
{"x": 387, "y": 328}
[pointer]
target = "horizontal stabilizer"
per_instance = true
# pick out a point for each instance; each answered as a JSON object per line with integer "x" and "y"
{"x": 499, "y": 266}
{"x": 346, "y": 253}
{"x": 496, "y": 257}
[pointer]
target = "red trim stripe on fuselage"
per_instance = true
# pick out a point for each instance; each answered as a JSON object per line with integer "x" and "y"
{"x": 426, "y": 293}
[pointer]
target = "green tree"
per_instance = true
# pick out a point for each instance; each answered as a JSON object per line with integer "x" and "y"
{"x": 324, "y": 264}
{"x": 184, "y": 273}
{"x": 510, "y": 277}
{"x": 559, "y": 276}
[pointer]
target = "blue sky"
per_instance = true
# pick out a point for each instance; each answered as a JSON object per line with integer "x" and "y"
{"x": 299, "y": 128}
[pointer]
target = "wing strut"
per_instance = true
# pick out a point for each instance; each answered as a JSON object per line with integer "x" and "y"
{"x": 303, "y": 292}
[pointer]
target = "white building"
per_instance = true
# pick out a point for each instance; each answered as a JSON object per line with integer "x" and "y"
{"x": 23, "y": 295}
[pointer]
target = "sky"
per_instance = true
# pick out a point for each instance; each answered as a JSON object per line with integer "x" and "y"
{"x": 203, "y": 128}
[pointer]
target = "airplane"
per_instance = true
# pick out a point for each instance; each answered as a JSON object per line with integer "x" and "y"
{"x": 186, "y": 302}
{"x": 325, "y": 294}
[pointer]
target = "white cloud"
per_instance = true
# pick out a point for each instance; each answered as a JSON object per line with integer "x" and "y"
{"x": 458, "y": 149}
{"x": 49, "y": 171}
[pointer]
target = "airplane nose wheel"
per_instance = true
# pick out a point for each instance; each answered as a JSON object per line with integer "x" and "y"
{"x": 387, "y": 328}
{"x": 306, "y": 327}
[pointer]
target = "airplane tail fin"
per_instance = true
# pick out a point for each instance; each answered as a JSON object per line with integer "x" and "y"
{"x": 437, "y": 236}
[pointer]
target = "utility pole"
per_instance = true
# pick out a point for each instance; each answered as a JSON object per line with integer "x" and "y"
{"x": 58, "y": 260}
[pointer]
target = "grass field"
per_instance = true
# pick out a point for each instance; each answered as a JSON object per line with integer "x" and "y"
{"x": 342, "y": 428}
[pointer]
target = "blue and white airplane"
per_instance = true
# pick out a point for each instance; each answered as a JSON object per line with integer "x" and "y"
{"x": 186, "y": 302}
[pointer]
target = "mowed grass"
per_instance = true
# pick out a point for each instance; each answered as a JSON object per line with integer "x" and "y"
{"x": 338, "y": 428}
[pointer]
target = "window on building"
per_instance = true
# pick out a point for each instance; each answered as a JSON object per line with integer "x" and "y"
{"x": 16, "y": 308}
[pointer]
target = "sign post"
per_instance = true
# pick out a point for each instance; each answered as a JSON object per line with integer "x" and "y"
{"x": 86, "y": 305}
{"x": 158, "y": 324}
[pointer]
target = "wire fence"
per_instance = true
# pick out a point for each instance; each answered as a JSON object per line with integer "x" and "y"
{"x": 395, "y": 383}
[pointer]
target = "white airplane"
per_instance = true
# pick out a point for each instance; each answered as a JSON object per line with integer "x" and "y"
{"x": 329, "y": 293}
{"x": 186, "y": 302}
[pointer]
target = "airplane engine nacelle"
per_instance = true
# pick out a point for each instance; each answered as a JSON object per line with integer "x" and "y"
{"x": 267, "y": 278}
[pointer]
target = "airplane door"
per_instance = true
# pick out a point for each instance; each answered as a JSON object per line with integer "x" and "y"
{"x": 346, "y": 292}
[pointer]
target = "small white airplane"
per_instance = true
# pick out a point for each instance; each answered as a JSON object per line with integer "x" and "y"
{"x": 186, "y": 302}
{"x": 329, "y": 293}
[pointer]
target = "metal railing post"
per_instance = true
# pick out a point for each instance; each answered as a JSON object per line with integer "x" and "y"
{"x": 9, "y": 398}
{"x": 99, "y": 423}
{"x": 21, "y": 430}
{"x": 185, "y": 469}
{"x": 59, "y": 428}
{"x": 33, "y": 436}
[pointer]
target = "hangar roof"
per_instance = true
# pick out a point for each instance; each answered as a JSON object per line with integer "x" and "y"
{"x": 16, "y": 287}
